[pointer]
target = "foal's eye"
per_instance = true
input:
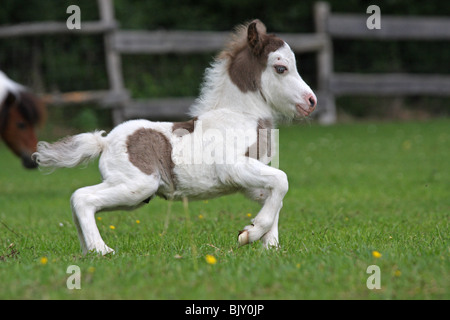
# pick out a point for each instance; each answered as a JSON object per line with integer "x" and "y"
{"x": 21, "y": 125}
{"x": 280, "y": 69}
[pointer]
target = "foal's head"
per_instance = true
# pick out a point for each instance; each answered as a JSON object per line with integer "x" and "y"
{"x": 263, "y": 62}
{"x": 20, "y": 113}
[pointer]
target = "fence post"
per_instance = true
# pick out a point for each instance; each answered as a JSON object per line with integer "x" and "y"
{"x": 113, "y": 60}
{"x": 325, "y": 65}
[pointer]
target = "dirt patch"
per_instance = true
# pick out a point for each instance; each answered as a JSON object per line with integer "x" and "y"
{"x": 13, "y": 253}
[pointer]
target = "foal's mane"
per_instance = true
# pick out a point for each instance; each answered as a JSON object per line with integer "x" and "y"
{"x": 238, "y": 39}
{"x": 215, "y": 75}
{"x": 242, "y": 61}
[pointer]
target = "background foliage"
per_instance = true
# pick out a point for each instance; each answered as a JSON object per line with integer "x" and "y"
{"x": 68, "y": 63}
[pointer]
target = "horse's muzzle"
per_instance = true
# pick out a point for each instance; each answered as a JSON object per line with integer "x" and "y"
{"x": 27, "y": 162}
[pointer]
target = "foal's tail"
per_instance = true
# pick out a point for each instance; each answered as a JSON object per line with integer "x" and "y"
{"x": 70, "y": 151}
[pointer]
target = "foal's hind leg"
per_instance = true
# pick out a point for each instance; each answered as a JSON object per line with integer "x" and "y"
{"x": 83, "y": 213}
{"x": 89, "y": 200}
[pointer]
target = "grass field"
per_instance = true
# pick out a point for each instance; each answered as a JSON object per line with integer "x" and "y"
{"x": 360, "y": 195}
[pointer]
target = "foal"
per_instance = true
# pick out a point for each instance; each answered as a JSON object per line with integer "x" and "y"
{"x": 250, "y": 85}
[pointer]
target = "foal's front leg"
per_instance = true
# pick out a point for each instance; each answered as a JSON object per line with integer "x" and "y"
{"x": 252, "y": 174}
{"x": 270, "y": 239}
{"x": 264, "y": 227}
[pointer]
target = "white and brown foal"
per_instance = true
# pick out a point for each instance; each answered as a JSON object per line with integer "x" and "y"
{"x": 225, "y": 148}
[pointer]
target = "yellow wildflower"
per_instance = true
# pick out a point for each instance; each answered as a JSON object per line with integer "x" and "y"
{"x": 112, "y": 227}
{"x": 43, "y": 260}
{"x": 376, "y": 254}
{"x": 138, "y": 221}
{"x": 210, "y": 259}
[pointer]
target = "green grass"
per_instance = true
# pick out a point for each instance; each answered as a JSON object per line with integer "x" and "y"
{"x": 354, "y": 189}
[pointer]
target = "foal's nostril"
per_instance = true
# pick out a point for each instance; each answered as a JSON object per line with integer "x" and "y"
{"x": 312, "y": 102}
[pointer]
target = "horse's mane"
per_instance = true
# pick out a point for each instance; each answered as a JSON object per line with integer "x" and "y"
{"x": 31, "y": 108}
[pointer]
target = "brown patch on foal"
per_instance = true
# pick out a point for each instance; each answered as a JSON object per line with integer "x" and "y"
{"x": 248, "y": 53}
{"x": 263, "y": 145}
{"x": 182, "y": 128}
{"x": 151, "y": 152}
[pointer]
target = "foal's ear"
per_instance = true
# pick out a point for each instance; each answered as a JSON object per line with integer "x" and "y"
{"x": 255, "y": 30}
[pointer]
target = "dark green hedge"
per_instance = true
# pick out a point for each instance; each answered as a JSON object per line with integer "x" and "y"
{"x": 65, "y": 63}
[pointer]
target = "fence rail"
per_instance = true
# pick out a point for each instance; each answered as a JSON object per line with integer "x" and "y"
{"x": 158, "y": 42}
{"x": 53, "y": 28}
{"x": 393, "y": 28}
{"x": 163, "y": 108}
{"x": 390, "y": 84}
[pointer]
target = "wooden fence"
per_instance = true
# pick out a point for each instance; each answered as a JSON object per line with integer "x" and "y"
{"x": 352, "y": 26}
{"x": 328, "y": 27}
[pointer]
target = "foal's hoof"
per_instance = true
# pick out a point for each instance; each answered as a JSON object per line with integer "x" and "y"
{"x": 103, "y": 250}
{"x": 108, "y": 251}
{"x": 244, "y": 235}
{"x": 243, "y": 238}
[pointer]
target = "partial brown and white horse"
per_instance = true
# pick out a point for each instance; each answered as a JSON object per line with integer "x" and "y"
{"x": 225, "y": 148}
{"x": 20, "y": 113}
